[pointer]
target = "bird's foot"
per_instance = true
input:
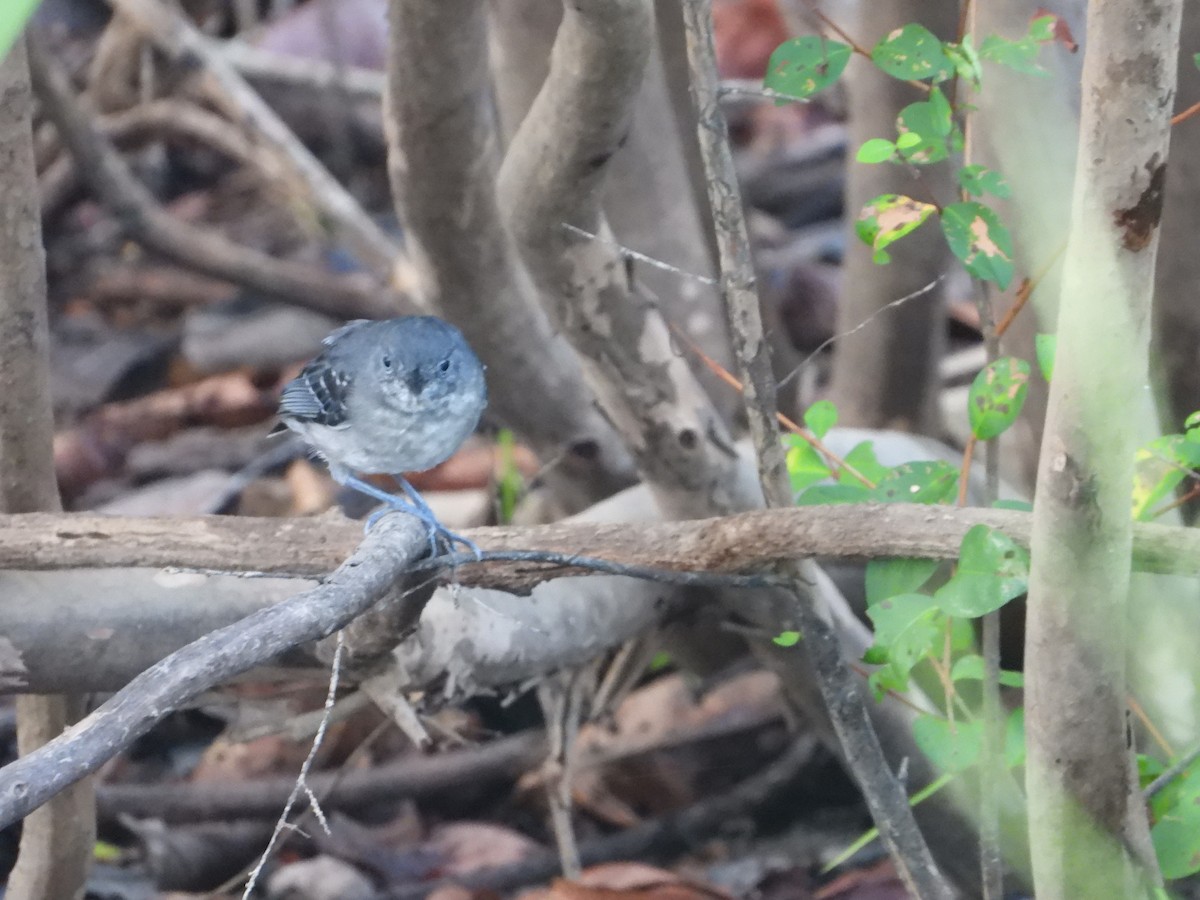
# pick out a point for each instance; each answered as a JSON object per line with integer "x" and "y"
{"x": 414, "y": 505}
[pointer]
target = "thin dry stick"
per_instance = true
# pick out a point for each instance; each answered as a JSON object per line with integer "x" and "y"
{"x": 847, "y": 710}
{"x": 834, "y": 461}
{"x": 147, "y": 223}
{"x": 301, "y": 785}
{"x": 176, "y": 37}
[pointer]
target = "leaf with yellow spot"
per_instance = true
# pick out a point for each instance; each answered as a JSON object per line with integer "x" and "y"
{"x": 996, "y": 396}
{"x": 888, "y": 218}
{"x": 978, "y": 238}
{"x": 804, "y": 65}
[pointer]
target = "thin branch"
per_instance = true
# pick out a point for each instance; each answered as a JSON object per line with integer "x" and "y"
{"x": 147, "y": 223}
{"x": 417, "y": 777}
{"x": 268, "y": 66}
{"x": 672, "y": 834}
{"x": 843, "y": 697}
{"x": 301, "y": 785}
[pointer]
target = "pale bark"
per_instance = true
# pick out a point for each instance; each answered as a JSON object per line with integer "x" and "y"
{"x": 56, "y": 842}
{"x": 1027, "y": 128}
{"x": 309, "y": 547}
{"x": 444, "y": 155}
{"x": 648, "y": 195}
{"x": 551, "y": 178}
{"x": 1088, "y": 830}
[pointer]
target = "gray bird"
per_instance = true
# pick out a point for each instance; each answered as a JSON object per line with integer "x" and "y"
{"x": 387, "y": 397}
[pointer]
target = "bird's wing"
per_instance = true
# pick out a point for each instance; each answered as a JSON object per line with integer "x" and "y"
{"x": 330, "y": 339}
{"x": 318, "y": 394}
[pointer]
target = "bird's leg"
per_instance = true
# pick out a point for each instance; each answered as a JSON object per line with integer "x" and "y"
{"x": 415, "y": 506}
{"x": 450, "y": 537}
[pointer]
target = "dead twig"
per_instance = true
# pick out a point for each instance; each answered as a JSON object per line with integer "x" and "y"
{"x": 292, "y": 161}
{"x": 147, "y": 223}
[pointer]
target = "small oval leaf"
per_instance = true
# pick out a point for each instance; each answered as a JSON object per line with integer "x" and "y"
{"x": 804, "y": 65}
{"x": 978, "y": 238}
{"x": 997, "y": 396}
{"x": 913, "y": 53}
{"x": 876, "y": 150}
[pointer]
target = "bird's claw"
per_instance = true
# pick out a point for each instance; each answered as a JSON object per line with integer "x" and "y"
{"x": 439, "y": 535}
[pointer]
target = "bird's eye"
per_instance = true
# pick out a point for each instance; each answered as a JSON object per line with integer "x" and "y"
{"x": 444, "y": 366}
{"x": 387, "y": 363}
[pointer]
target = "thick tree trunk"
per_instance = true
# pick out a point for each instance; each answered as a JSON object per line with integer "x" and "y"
{"x": 649, "y": 197}
{"x": 56, "y": 844}
{"x": 1088, "y": 829}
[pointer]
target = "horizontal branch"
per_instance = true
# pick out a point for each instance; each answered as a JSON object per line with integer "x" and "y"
{"x": 308, "y": 547}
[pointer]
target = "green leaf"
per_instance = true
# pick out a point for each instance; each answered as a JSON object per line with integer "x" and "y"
{"x": 1045, "y": 346}
{"x": 1041, "y": 29}
{"x": 1158, "y": 469}
{"x": 805, "y": 466}
{"x": 923, "y": 120}
{"x": 1196, "y": 60}
{"x": 992, "y": 570}
{"x": 906, "y": 628}
{"x": 1018, "y": 505}
{"x": 918, "y": 482}
{"x": 1019, "y": 55}
{"x": 662, "y": 660}
{"x": 1148, "y": 768}
{"x": 913, "y": 53}
{"x": 821, "y": 494}
{"x": 862, "y": 457}
{"x": 13, "y": 16}
{"x": 889, "y": 577}
{"x": 977, "y": 237}
{"x": 1176, "y": 840}
{"x": 970, "y": 668}
{"x": 966, "y": 61}
{"x": 876, "y": 150}
{"x": 1192, "y": 421}
{"x": 1014, "y": 739}
{"x": 979, "y": 180}
{"x": 888, "y": 218}
{"x": 786, "y": 638}
{"x": 997, "y": 396}
{"x": 820, "y": 417}
{"x": 943, "y": 114}
{"x": 952, "y": 748}
{"x": 804, "y": 65}
{"x": 1182, "y": 790}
